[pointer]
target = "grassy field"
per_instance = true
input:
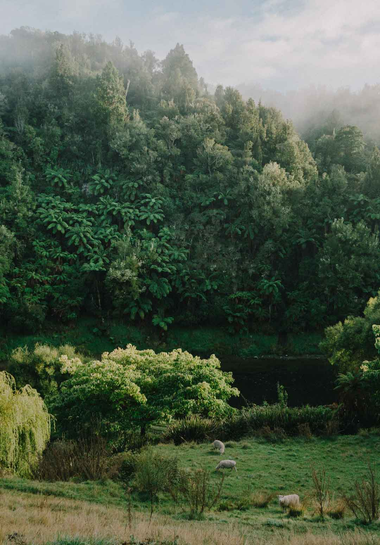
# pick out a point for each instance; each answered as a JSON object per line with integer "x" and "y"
{"x": 43, "y": 512}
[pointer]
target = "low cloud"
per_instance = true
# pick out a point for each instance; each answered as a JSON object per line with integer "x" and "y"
{"x": 282, "y": 44}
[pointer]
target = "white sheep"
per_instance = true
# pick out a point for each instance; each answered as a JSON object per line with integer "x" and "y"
{"x": 219, "y": 445}
{"x": 226, "y": 464}
{"x": 289, "y": 501}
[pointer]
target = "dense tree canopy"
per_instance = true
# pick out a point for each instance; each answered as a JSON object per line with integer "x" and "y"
{"x": 128, "y": 190}
{"x": 131, "y": 389}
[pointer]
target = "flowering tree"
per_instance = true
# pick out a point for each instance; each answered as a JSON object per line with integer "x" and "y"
{"x": 131, "y": 389}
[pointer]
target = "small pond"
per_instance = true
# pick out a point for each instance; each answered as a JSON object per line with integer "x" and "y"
{"x": 308, "y": 380}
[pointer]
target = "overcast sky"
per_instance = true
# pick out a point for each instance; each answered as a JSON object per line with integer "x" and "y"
{"x": 280, "y": 44}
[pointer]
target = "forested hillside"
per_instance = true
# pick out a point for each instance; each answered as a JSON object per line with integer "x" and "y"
{"x": 127, "y": 190}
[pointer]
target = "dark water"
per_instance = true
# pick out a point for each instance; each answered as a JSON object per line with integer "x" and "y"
{"x": 307, "y": 380}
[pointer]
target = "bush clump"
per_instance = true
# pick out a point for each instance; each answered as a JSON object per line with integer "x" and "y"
{"x": 87, "y": 459}
{"x": 295, "y": 511}
{"x": 152, "y": 475}
{"x": 262, "y": 499}
{"x": 272, "y": 422}
{"x": 365, "y": 501}
{"x": 194, "y": 428}
{"x": 337, "y": 509}
{"x": 288, "y": 419}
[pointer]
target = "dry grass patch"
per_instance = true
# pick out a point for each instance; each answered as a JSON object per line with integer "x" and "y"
{"x": 42, "y": 519}
{"x": 262, "y": 499}
{"x": 337, "y": 509}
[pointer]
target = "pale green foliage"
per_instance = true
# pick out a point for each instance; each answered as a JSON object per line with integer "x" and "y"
{"x": 102, "y": 394}
{"x": 123, "y": 275}
{"x": 294, "y": 156}
{"x": 132, "y": 388}
{"x": 213, "y": 157}
{"x": 177, "y": 383}
{"x": 24, "y": 426}
{"x": 62, "y": 72}
{"x": 271, "y": 197}
{"x": 44, "y": 367}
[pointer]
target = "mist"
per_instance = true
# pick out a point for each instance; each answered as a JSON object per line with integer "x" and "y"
{"x": 314, "y": 60}
{"x": 319, "y": 110}
{"x": 278, "y": 44}
{"x": 314, "y": 110}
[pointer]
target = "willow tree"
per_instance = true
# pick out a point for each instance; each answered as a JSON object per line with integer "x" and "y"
{"x": 24, "y": 426}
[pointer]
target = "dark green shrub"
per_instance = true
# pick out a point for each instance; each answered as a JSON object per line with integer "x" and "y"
{"x": 273, "y": 422}
{"x": 127, "y": 467}
{"x": 226, "y": 505}
{"x": 291, "y": 420}
{"x": 133, "y": 441}
{"x": 332, "y": 427}
{"x": 274, "y": 436}
{"x": 194, "y": 491}
{"x": 240, "y": 504}
{"x": 295, "y": 511}
{"x": 304, "y": 430}
{"x": 193, "y": 428}
{"x": 152, "y": 472}
{"x": 87, "y": 459}
{"x": 57, "y": 462}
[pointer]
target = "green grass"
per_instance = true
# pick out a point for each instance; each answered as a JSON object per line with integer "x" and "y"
{"x": 283, "y": 468}
{"x": 103, "y": 493}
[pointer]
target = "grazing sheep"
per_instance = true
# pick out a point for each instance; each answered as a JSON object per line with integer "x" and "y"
{"x": 226, "y": 464}
{"x": 219, "y": 445}
{"x": 289, "y": 501}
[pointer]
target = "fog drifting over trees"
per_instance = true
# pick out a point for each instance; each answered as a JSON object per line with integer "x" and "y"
{"x": 318, "y": 110}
